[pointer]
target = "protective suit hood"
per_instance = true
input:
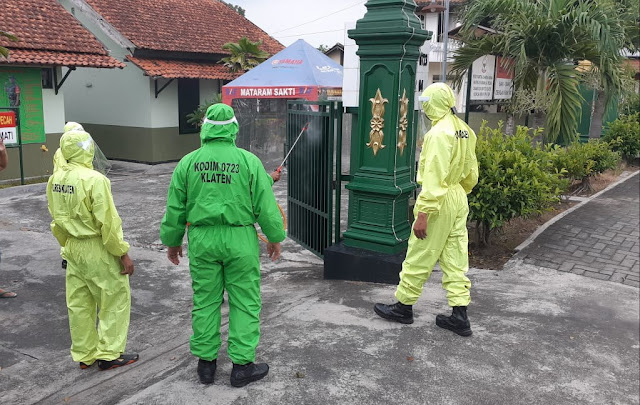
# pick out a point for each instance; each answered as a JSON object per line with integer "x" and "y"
{"x": 219, "y": 123}
{"x": 440, "y": 101}
{"x": 77, "y": 147}
{"x": 72, "y": 126}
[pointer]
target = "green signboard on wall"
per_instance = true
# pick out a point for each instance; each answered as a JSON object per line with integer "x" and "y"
{"x": 22, "y": 88}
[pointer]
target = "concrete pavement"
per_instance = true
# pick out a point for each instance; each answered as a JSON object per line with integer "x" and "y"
{"x": 599, "y": 239}
{"x": 540, "y": 336}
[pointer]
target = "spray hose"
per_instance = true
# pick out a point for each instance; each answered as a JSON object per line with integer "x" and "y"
{"x": 279, "y": 170}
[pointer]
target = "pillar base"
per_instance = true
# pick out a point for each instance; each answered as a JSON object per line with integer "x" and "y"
{"x": 347, "y": 263}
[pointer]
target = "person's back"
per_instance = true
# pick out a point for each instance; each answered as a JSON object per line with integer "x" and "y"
{"x": 89, "y": 230}
{"x": 448, "y": 152}
{"x": 221, "y": 191}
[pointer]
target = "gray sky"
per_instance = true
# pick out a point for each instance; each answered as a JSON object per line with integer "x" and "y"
{"x": 316, "y": 21}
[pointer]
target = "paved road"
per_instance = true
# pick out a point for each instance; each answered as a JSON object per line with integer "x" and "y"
{"x": 600, "y": 239}
{"x": 540, "y": 336}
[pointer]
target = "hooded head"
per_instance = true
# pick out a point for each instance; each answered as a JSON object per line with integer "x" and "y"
{"x": 438, "y": 99}
{"x": 77, "y": 147}
{"x": 72, "y": 126}
{"x": 219, "y": 123}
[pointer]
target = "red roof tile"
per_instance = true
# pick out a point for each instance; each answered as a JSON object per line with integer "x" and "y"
{"x": 201, "y": 26}
{"x": 54, "y": 58}
{"x": 48, "y": 34}
{"x": 179, "y": 69}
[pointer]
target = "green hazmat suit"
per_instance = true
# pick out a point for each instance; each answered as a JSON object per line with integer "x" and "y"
{"x": 447, "y": 171}
{"x": 87, "y": 226}
{"x": 222, "y": 191}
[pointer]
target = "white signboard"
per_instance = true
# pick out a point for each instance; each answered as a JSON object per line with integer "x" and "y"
{"x": 482, "y": 75}
{"x": 504, "y": 79}
{"x": 8, "y": 127}
{"x": 422, "y": 73}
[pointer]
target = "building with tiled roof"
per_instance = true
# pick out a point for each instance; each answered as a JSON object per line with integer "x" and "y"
{"x": 50, "y": 45}
{"x": 49, "y": 36}
{"x": 172, "y": 50}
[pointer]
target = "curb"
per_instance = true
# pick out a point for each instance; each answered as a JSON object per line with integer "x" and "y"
{"x": 623, "y": 177}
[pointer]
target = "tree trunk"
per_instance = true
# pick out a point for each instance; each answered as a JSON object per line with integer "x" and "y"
{"x": 483, "y": 234}
{"x": 538, "y": 122}
{"x": 599, "y": 108}
{"x": 510, "y": 125}
{"x": 584, "y": 186}
{"x": 487, "y": 235}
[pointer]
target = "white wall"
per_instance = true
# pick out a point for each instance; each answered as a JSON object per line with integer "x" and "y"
{"x": 53, "y": 109}
{"x": 109, "y": 97}
{"x": 164, "y": 109}
{"x": 351, "y": 70}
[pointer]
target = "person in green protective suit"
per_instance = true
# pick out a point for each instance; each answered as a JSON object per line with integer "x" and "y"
{"x": 222, "y": 191}
{"x": 87, "y": 226}
{"x": 447, "y": 171}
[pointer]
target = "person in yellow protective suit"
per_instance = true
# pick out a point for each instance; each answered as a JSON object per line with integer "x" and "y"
{"x": 87, "y": 226}
{"x": 447, "y": 171}
{"x": 222, "y": 191}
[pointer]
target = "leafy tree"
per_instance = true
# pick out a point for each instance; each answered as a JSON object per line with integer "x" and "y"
{"x": 323, "y": 48}
{"x": 517, "y": 180}
{"x": 4, "y": 51}
{"x": 628, "y": 13}
{"x": 583, "y": 161}
{"x": 238, "y": 9}
{"x": 623, "y": 135}
{"x": 245, "y": 55}
{"x": 545, "y": 39}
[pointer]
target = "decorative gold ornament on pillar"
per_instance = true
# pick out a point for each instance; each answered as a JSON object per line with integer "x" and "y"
{"x": 376, "y": 136}
{"x": 403, "y": 123}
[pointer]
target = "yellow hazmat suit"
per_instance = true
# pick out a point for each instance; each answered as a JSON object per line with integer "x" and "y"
{"x": 448, "y": 171}
{"x": 87, "y": 226}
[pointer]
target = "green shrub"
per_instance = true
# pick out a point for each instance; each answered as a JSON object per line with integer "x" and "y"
{"x": 623, "y": 135}
{"x": 517, "y": 179}
{"x": 582, "y": 161}
{"x": 630, "y": 104}
{"x": 197, "y": 116}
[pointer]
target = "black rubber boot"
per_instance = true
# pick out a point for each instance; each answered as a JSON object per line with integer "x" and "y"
{"x": 457, "y": 322}
{"x": 123, "y": 360}
{"x": 242, "y": 375}
{"x": 396, "y": 312}
{"x": 206, "y": 371}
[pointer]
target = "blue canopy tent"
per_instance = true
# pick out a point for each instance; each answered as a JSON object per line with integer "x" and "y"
{"x": 299, "y": 71}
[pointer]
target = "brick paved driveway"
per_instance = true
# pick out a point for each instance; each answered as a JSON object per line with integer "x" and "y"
{"x": 599, "y": 239}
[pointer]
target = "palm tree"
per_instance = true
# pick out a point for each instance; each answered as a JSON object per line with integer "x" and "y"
{"x": 4, "y": 51}
{"x": 629, "y": 14}
{"x": 245, "y": 55}
{"x": 545, "y": 39}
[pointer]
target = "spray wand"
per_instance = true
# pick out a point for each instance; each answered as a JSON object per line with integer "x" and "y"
{"x": 279, "y": 169}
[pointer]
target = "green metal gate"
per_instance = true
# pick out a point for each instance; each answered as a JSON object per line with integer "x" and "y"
{"x": 310, "y": 173}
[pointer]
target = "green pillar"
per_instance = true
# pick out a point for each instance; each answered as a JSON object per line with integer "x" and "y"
{"x": 382, "y": 151}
